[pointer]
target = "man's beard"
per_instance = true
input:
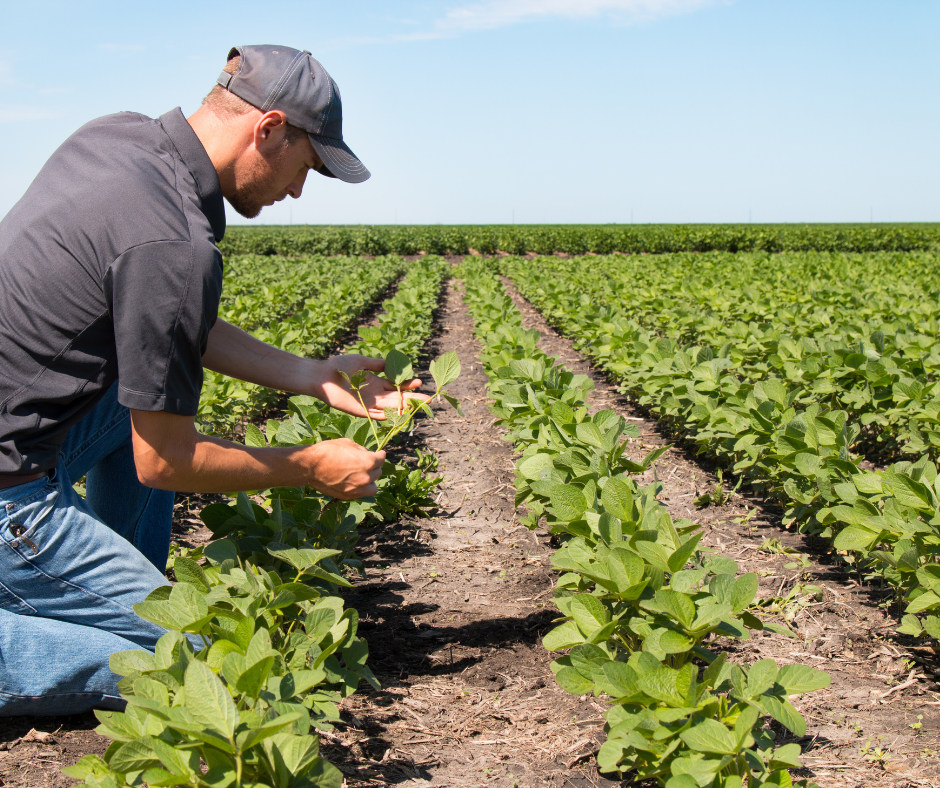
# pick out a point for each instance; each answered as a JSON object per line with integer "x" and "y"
{"x": 255, "y": 191}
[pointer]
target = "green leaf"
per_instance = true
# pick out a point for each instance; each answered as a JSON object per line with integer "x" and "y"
{"x": 589, "y": 434}
{"x": 784, "y": 713}
{"x": 218, "y": 651}
{"x": 254, "y": 437}
{"x": 88, "y": 765}
{"x": 910, "y": 625}
{"x": 761, "y": 677}
{"x": 854, "y": 538}
{"x": 868, "y": 483}
{"x": 617, "y": 498}
{"x": 188, "y": 571}
{"x": 123, "y": 663}
{"x": 531, "y": 467}
{"x": 252, "y": 737}
{"x": 221, "y": 550}
{"x": 562, "y": 637}
{"x": 677, "y": 606}
{"x": 666, "y": 684}
{"x": 743, "y": 591}
{"x": 710, "y": 736}
{"x": 786, "y": 757}
{"x": 910, "y": 493}
{"x": 134, "y": 756}
{"x": 570, "y": 680}
{"x": 445, "y": 369}
{"x": 398, "y": 367}
{"x": 208, "y": 700}
{"x": 568, "y": 502}
{"x": 927, "y": 601}
{"x": 589, "y": 613}
{"x": 796, "y": 679}
{"x": 454, "y": 402}
{"x": 255, "y": 677}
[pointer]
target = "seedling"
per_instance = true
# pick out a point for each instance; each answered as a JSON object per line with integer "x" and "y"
{"x": 718, "y": 496}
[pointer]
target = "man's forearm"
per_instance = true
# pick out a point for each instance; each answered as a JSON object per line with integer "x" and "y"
{"x": 238, "y": 354}
{"x": 208, "y": 464}
{"x": 171, "y": 455}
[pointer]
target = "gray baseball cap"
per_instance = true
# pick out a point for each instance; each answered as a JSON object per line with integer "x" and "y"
{"x": 291, "y": 81}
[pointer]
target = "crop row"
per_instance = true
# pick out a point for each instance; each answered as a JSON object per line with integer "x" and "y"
{"x": 857, "y": 333}
{"x": 643, "y": 609}
{"x": 259, "y": 647}
{"x": 575, "y": 239}
{"x": 775, "y": 432}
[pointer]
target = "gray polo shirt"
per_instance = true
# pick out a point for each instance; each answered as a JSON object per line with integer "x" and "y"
{"x": 109, "y": 271}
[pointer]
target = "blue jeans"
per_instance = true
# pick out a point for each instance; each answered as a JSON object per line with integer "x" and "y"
{"x": 70, "y": 570}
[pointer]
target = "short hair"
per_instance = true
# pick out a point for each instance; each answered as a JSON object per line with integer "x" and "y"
{"x": 228, "y": 106}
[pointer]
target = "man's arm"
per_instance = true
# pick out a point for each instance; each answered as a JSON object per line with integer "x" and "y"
{"x": 170, "y": 454}
{"x": 236, "y": 353}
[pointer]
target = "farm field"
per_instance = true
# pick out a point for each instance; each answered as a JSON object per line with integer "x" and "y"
{"x": 680, "y": 521}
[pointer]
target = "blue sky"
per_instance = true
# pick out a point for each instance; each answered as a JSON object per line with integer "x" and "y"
{"x": 489, "y": 111}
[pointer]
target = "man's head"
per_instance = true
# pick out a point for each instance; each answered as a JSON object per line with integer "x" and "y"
{"x": 274, "y": 114}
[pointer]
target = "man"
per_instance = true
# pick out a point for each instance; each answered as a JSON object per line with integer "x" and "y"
{"x": 110, "y": 281}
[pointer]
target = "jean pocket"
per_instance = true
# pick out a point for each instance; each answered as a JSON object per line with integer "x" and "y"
{"x": 13, "y": 603}
{"x": 24, "y": 517}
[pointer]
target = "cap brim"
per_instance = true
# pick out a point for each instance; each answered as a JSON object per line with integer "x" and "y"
{"x": 341, "y": 162}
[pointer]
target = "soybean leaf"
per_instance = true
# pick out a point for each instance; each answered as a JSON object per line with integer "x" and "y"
{"x": 568, "y": 502}
{"x": 796, "y": 679}
{"x": 254, "y": 437}
{"x": 445, "y": 369}
{"x": 454, "y": 402}
{"x": 398, "y": 367}
{"x": 710, "y": 736}
{"x": 208, "y": 700}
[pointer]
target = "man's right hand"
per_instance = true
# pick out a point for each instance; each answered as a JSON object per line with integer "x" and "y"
{"x": 343, "y": 469}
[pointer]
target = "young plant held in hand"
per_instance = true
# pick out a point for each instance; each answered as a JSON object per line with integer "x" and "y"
{"x": 398, "y": 370}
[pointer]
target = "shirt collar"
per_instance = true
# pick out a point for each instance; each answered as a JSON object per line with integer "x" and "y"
{"x": 200, "y": 165}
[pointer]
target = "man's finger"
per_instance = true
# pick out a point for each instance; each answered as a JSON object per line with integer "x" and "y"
{"x": 373, "y": 364}
{"x": 412, "y": 384}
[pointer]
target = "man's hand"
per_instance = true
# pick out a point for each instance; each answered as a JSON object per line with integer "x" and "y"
{"x": 377, "y": 393}
{"x": 343, "y": 469}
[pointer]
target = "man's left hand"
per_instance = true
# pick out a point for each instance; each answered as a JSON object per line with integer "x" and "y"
{"x": 377, "y": 393}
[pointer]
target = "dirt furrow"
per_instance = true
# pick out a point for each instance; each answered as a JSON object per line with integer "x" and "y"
{"x": 454, "y": 610}
{"x": 879, "y": 722}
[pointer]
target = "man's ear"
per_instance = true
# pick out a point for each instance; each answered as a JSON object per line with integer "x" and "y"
{"x": 269, "y": 130}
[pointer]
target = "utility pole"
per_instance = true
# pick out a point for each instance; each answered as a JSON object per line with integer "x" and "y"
{"x": 748, "y": 215}
{"x": 631, "y": 216}
{"x": 513, "y": 215}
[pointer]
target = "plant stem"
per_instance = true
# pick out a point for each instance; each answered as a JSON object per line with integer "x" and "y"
{"x": 369, "y": 417}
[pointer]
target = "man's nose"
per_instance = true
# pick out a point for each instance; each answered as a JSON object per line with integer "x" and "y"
{"x": 296, "y": 187}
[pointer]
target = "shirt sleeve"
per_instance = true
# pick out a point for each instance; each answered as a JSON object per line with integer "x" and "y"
{"x": 164, "y": 300}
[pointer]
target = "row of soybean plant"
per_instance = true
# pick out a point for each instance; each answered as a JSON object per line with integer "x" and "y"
{"x": 857, "y": 332}
{"x": 303, "y": 308}
{"x": 259, "y": 647}
{"x": 644, "y": 609}
{"x": 575, "y": 239}
{"x": 772, "y": 429}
